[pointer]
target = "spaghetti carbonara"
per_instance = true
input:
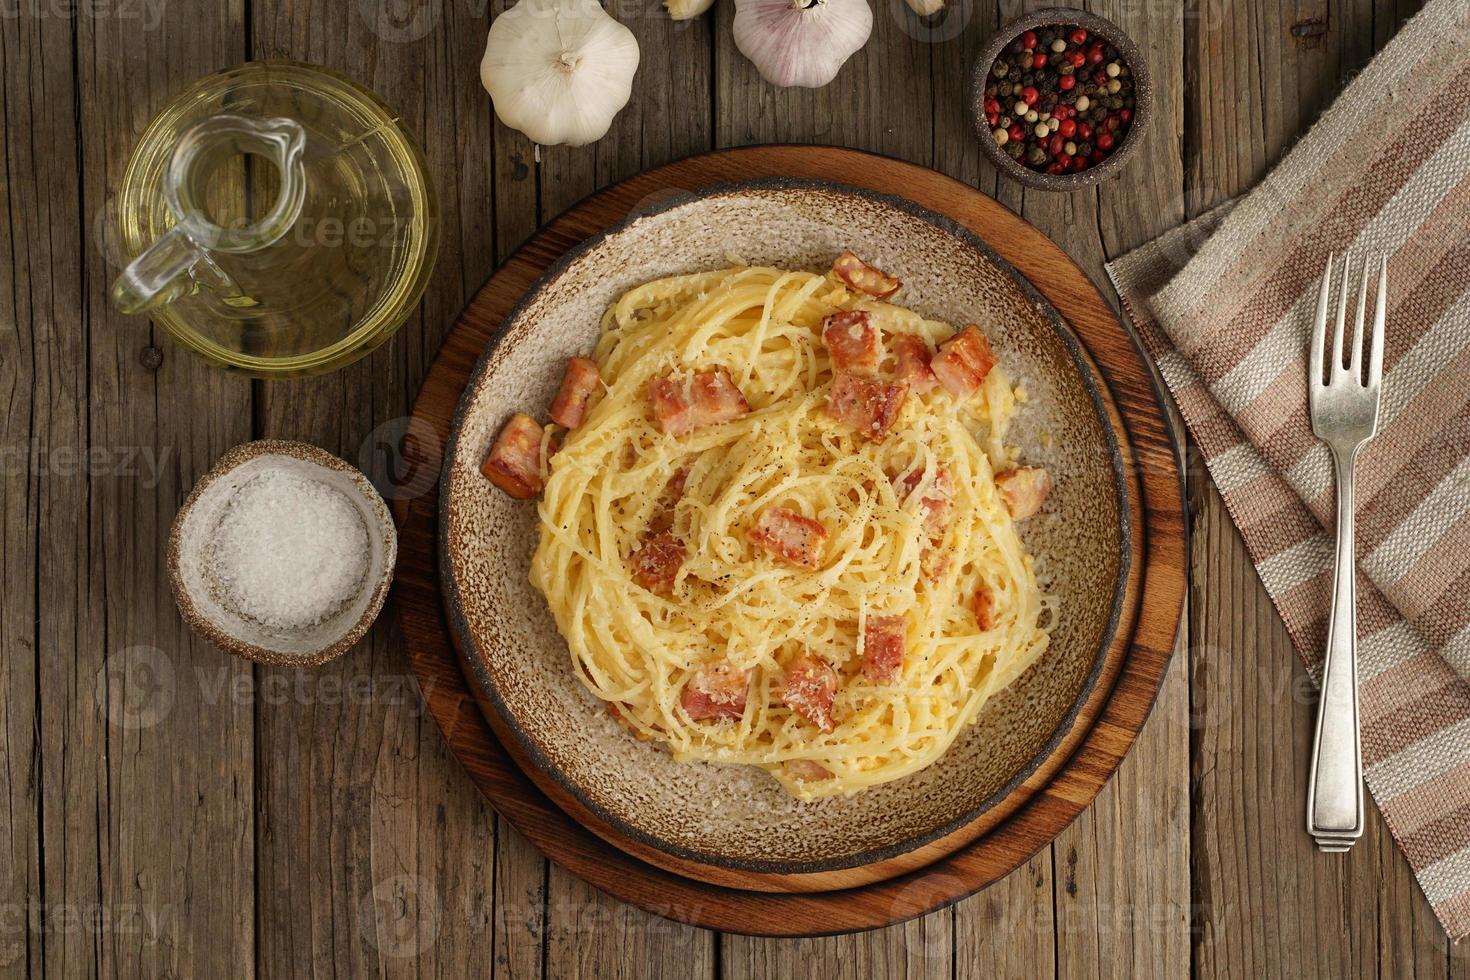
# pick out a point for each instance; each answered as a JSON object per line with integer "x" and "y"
{"x": 779, "y": 530}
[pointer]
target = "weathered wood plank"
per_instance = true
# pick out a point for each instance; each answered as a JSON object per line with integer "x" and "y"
{"x": 921, "y": 949}
{"x": 377, "y": 856}
{"x": 39, "y": 299}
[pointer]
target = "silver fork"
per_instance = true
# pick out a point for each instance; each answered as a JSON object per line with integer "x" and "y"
{"x": 1345, "y": 416}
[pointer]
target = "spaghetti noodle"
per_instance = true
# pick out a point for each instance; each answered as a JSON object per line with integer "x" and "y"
{"x": 913, "y": 542}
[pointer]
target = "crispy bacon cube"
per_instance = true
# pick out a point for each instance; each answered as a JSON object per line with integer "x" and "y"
{"x": 853, "y": 342}
{"x": 984, "y": 607}
{"x": 708, "y": 398}
{"x": 790, "y": 536}
{"x": 577, "y": 385}
{"x": 913, "y": 363}
{"x": 1024, "y": 489}
{"x": 514, "y": 462}
{"x": 657, "y": 563}
{"x": 864, "y": 278}
{"x": 715, "y": 691}
{"x": 809, "y": 688}
{"x": 936, "y": 500}
{"x": 963, "y": 362}
{"x": 663, "y": 516}
{"x": 869, "y": 407}
{"x": 883, "y": 642}
{"x": 806, "y": 771}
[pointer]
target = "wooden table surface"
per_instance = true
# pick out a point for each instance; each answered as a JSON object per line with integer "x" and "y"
{"x": 168, "y": 810}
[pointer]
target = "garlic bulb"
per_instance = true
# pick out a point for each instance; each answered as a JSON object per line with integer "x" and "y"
{"x": 687, "y": 9}
{"x": 925, "y": 8}
{"x": 559, "y": 70}
{"x": 801, "y": 42}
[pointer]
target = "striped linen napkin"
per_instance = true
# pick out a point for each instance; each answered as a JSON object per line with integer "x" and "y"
{"x": 1224, "y": 305}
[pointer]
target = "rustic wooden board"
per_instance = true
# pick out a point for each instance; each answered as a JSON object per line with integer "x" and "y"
{"x": 1161, "y": 536}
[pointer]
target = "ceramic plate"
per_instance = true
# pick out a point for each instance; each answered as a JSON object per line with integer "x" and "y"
{"x": 738, "y": 819}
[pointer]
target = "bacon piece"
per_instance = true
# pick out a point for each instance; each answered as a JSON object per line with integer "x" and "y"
{"x": 1024, "y": 489}
{"x": 715, "y": 691}
{"x": 710, "y": 397}
{"x": 809, "y": 688}
{"x": 883, "y": 648}
{"x": 514, "y": 462}
{"x": 913, "y": 363}
{"x": 806, "y": 771}
{"x": 577, "y": 385}
{"x": 963, "y": 362}
{"x": 869, "y": 407}
{"x": 663, "y": 517}
{"x": 657, "y": 563}
{"x": 853, "y": 342}
{"x": 936, "y": 502}
{"x": 864, "y": 278}
{"x": 984, "y": 606}
{"x": 787, "y": 534}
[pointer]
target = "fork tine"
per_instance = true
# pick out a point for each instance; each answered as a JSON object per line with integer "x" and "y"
{"x": 1357, "y": 349}
{"x": 1319, "y": 325}
{"x": 1341, "y": 321}
{"x": 1380, "y": 315}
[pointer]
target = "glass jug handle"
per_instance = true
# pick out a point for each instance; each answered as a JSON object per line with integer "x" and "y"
{"x": 179, "y": 261}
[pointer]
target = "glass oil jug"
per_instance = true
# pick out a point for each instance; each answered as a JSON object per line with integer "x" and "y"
{"x": 277, "y": 219}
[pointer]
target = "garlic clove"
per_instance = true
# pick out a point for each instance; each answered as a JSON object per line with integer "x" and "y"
{"x": 687, "y": 9}
{"x": 801, "y": 42}
{"x": 926, "y": 8}
{"x": 559, "y": 70}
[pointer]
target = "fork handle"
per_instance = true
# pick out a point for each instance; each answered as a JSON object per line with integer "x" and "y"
{"x": 1335, "y": 792}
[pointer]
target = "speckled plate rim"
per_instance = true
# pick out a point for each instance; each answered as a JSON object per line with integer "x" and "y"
{"x": 530, "y": 749}
{"x": 308, "y": 453}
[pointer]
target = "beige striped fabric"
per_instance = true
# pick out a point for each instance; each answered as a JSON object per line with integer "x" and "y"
{"x": 1224, "y": 305}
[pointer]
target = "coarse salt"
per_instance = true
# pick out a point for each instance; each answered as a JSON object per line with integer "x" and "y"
{"x": 289, "y": 551}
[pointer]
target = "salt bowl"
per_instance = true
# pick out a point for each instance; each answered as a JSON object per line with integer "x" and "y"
{"x": 282, "y": 554}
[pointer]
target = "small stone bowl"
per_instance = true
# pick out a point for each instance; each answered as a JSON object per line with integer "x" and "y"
{"x": 1142, "y": 108}
{"x": 199, "y": 597}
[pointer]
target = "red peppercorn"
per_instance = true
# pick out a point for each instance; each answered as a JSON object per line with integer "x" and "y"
{"x": 1029, "y": 95}
{"x": 1016, "y": 133}
{"x": 1068, "y": 128}
{"x": 1028, "y": 40}
{"x": 1084, "y": 131}
{"x": 1053, "y": 168}
{"x": 1078, "y": 164}
{"x": 1078, "y": 36}
{"x": 1066, "y": 82}
{"x": 1038, "y": 60}
{"x": 1126, "y": 115}
{"x": 1095, "y": 54}
{"x": 1098, "y": 156}
{"x": 1100, "y": 77}
{"x": 1063, "y": 161}
{"x": 1054, "y": 145}
{"x": 1104, "y": 141}
{"x": 1076, "y": 59}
